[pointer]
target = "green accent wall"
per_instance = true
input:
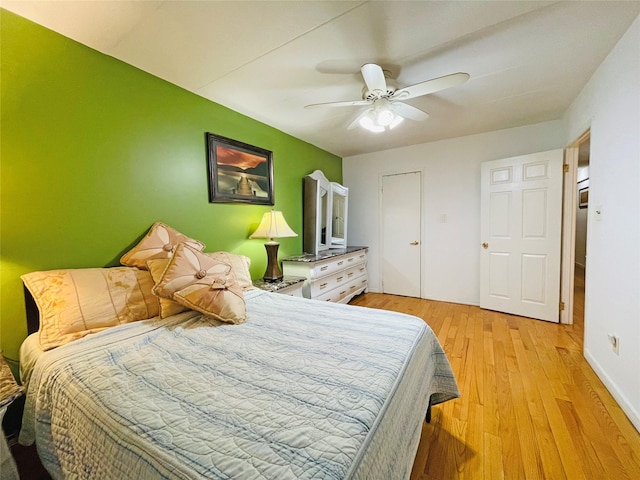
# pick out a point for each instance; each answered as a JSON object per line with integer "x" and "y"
{"x": 94, "y": 151}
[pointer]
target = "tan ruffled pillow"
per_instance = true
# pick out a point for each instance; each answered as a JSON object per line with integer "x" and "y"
{"x": 159, "y": 242}
{"x": 167, "y": 307}
{"x": 202, "y": 283}
{"x": 239, "y": 267}
{"x": 76, "y": 302}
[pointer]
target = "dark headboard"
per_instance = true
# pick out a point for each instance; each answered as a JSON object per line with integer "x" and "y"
{"x": 33, "y": 314}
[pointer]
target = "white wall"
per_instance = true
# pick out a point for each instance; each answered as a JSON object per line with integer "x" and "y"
{"x": 610, "y": 105}
{"x": 451, "y": 187}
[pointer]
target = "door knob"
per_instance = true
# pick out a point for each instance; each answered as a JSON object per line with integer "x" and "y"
{"x": 415, "y": 243}
{"x": 485, "y": 245}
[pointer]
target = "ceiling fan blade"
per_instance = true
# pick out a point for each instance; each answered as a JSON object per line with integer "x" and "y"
{"x": 353, "y": 103}
{"x": 431, "y": 86}
{"x": 409, "y": 111}
{"x": 374, "y": 78}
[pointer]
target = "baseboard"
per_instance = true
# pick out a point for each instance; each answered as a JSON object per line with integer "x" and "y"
{"x": 623, "y": 401}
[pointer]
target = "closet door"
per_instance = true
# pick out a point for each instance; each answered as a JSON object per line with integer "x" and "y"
{"x": 401, "y": 234}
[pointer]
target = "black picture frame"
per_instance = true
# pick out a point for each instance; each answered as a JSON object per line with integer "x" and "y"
{"x": 239, "y": 172}
{"x": 583, "y": 197}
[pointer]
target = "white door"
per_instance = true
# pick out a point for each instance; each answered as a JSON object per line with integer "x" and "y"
{"x": 521, "y": 222}
{"x": 401, "y": 233}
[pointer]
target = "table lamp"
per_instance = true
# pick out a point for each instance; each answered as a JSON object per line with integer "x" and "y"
{"x": 273, "y": 225}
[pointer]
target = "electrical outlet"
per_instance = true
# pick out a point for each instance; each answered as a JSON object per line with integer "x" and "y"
{"x": 615, "y": 343}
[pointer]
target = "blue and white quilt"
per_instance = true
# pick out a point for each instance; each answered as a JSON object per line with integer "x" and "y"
{"x": 303, "y": 390}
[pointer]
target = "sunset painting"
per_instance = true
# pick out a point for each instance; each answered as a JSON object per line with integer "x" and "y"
{"x": 239, "y": 172}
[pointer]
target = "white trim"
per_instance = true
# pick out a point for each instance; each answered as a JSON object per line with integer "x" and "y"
{"x": 624, "y": 403}
{"x": 567, "y": 269}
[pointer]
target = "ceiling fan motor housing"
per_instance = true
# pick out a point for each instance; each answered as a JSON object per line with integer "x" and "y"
{"x": 391, "y": 88}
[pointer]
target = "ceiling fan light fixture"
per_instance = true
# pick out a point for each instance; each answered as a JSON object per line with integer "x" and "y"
{"x": 396, "y": 121}
{"x": 383, "y": 113}
{"x": 368, "y": 122}
{"x": 384, "y": 117}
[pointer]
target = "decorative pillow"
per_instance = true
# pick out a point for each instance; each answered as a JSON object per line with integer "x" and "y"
{"x": 159, "y": 242}
{"x": 222, "y": 299}
{"x": 239, "y": 267}
{"x": 76, "y": 302}
{"x": 9, "y": 389}
{"x": 167, "y": 307}
{"x": 202, "y": 283}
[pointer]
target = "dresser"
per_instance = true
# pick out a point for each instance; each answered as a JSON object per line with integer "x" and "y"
{"x": 333, "y": 275}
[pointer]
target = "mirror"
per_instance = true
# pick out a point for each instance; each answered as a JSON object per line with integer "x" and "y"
{"x": 339, "y": 197}
{"x": 322, "y": 218}
{"x": 325, "y": 210}
{"x": 316, "y": 235}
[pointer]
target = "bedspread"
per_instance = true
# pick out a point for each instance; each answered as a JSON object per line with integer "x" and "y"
{"x": 304, "y": 389}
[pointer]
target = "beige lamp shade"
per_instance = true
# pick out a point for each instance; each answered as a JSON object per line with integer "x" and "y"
{"x": 273, "y": 225}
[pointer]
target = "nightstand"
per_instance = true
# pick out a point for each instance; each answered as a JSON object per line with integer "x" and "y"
{"x": 9, "y": 391}
{"x": 289, "y": 285}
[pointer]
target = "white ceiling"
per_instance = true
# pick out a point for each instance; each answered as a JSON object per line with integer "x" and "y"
{"x": 267, "y": 59}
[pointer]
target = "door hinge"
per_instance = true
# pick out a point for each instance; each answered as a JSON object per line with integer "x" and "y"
{"x": 561, "y": 306}
{"x": 565, "y": 167}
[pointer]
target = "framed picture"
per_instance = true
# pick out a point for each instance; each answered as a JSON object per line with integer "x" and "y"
{"x": 239, "y": 172}
{"x": 583, "y": 197}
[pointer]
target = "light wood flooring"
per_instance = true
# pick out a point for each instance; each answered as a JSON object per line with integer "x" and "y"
{"x": 531, "y": 406}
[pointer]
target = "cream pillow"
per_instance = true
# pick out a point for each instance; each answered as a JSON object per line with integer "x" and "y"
{"x": 167, "y": 307}
{"x": 159, "y": 242}
{"x": 76, "y": 302}
{"x": 203, "y": 283}
{"x": 239, "y": 267}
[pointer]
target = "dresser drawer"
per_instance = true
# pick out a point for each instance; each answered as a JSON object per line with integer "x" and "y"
{"x": 320, "y": 286}
{"x": 322, "y": 269}
{"x": 344, "y": 292}
{"x": 356, "y": 271}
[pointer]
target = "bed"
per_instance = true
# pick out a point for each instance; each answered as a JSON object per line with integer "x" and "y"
{"x": 300, "y": 389}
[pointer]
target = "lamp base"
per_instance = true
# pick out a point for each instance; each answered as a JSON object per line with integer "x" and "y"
{"x": 273, "y": 272}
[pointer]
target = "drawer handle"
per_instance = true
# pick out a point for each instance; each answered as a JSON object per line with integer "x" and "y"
{"x": 349, "y": 274}
{"x": 362, "y": 269}
{"x": 339, "y": 279}
{"x": 322, "y": 285}
{"x": 353, "y": 287}
{"x": 364, "y": 281}
{"x": 322, "y": 269}
{"x": 350, "y": 260}
{"x": 341, "y": 262}
{"x": 343, "y": 292}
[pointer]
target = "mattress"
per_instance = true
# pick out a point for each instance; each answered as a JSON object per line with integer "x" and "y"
{"x": 30, "y": 352}
{"x": 304, "y": 389}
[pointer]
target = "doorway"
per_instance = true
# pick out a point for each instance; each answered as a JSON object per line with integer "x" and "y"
{"x": 574, "y": 229}
{"x": 581, "y": 221}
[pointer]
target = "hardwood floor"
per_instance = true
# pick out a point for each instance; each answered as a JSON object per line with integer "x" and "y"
{"x": 531, "y": 406}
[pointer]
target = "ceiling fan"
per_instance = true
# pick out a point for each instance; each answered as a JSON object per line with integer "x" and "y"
{"x": 385, "y": 100}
